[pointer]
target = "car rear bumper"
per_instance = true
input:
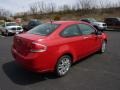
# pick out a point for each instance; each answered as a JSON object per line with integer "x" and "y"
{"x": 33, "y": 62}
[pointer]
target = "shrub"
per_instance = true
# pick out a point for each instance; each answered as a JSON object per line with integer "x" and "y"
{"x": 57, "y": 17}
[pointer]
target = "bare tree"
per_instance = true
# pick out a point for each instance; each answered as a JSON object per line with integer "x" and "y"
{"x": 33, "y": 8}
{"x": 66, "y": 8}
{"x": 4, "y": 13}
{"x": 41, "y": 7}
{"x": 51, "y": 7}
{"x": 81, "y": 7}
{"x": 85, "y": 4}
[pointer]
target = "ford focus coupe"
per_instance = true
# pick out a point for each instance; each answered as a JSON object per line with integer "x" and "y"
{"x": 55, "y": 46}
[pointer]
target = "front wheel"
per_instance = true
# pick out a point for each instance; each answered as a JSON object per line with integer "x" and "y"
{"x": 103, "y": 47}
{"x": 7, "y": 33}
{"x": 63, "y": 65}
{"x": 2, "y": 33}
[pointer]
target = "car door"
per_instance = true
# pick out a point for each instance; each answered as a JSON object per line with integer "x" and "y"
{"x": 91, "y": 40}
{"x": 3, "y": 28}
{"x": 74, "y": 39}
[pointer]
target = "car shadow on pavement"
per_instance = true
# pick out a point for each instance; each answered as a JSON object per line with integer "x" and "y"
{"x": 20, "y": 76}
{"x": 23, "y": 77}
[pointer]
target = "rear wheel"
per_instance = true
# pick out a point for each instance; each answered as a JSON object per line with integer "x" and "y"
{"x": 63, "y": 65}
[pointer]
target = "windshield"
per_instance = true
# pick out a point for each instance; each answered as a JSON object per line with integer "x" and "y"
{"x": 11, "y": 24}
{"x": 43, "y": 29}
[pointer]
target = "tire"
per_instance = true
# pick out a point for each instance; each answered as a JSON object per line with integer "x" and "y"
{"x": 2, "y": 33}
{"x": 103, "y": 47}
{"x": 63, "y": 65}
{"x": 7, "y": 33}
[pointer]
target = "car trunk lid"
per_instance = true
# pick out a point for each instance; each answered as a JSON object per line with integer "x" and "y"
{"x": 22, "y": 42}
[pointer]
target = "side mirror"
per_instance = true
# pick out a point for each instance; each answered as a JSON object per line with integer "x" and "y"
{"x": 98, "y": 33}
{"x": 101, "y": 30}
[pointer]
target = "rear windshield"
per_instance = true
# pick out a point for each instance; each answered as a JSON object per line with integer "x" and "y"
{"x": 43, "y": 29}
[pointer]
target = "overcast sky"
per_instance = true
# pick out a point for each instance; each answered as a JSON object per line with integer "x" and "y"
{"x": 22, "y": 5}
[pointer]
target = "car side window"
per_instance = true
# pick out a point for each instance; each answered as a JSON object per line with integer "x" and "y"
{"x": 71, "y": 31}
{"x": 86, "y": 29}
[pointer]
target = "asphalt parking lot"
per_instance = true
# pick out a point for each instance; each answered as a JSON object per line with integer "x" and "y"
{"x": 97, "y": 72}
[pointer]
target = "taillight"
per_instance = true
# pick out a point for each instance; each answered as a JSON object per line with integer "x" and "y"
{"x": 36, "y": 47}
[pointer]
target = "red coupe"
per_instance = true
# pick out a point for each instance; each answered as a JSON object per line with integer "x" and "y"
{"x": 54, "y": 46}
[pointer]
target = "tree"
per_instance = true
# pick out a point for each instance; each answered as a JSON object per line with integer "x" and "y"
{"x": 33, "y": 8}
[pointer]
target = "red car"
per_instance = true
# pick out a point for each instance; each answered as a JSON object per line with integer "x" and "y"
{"x": 54, "y": 46}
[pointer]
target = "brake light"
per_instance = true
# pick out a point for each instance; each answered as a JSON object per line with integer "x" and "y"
{"x": 36, "y": 47}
